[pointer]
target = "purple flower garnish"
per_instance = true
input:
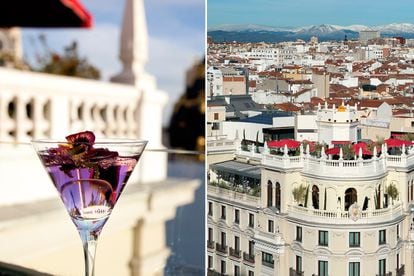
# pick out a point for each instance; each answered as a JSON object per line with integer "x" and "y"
{"x": 79, "y": 152}
{"x": 85, "y": 137}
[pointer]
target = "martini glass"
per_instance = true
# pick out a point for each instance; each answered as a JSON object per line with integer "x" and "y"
{"x": 89, "y": 178}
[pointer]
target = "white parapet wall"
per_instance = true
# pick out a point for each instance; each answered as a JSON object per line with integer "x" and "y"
{"x": 37, "y": 105}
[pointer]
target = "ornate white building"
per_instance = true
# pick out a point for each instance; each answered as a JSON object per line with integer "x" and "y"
{"x": 298, "y": 213}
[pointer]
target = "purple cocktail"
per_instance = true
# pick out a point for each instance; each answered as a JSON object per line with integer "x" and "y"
{"x": 89, "y": 176}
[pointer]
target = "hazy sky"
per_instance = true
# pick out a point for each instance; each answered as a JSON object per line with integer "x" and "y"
{"x": 176, "y": 39}
{"x": 295, "y": 13}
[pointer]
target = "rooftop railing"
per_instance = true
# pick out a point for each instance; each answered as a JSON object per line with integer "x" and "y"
{"x": 343, "y": 217}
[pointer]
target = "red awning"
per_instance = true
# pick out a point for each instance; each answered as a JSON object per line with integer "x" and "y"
{"x": 333, "y": 142}
{"x": 291, "y": 144}
{"x": 333, "y": 151}
{"x": 363, "y": 146}
{"x": 391, "y": 142}
{"x": 44, "y": 13}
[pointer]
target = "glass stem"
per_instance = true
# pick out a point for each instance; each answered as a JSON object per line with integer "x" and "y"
{"x": 90, "y": 241}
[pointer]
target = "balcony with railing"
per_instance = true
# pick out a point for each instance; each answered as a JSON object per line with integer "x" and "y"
{"x": 400, "y": 271}
{"x": 324, "y": 166}
{"x": 294, "y": 272}
{"x": 234, "y": 253}
{"x": 210, "y": 244}
{"x": 344, "y": 217}
{"x": 221, "y": 248}
{"x": 249, "y": 258}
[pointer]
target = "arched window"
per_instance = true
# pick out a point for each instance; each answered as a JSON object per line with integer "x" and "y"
{"x": 365, "y": 206}
{"x": 277, "y": 196}
{"x": 350, "y": 197}
{"x": 269, "y": 194}
{"x": 315, "y": 197}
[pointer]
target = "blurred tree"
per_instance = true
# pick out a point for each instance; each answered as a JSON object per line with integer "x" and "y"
{"x": 187, "y": 123}
{"x": 68, "y": 64}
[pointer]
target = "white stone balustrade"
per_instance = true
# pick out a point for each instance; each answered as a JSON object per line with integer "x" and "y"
{"x": 35, "y": 105}
{"x": 233, "y": 195}
{"x": 325, "y": 167}
{"x": 342, "y": 217}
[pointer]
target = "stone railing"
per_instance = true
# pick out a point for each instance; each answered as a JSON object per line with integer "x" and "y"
{"x": 343, "y": 217}
{"x": 221, "y": 144}
{"x": 326, "y": 167}
{"x": 233, "y": 195}
{"x": 344, "y": 168}
{"x": 37, "y": 105}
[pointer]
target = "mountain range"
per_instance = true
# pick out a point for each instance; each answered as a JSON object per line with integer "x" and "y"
{"x": 324, "y": 32}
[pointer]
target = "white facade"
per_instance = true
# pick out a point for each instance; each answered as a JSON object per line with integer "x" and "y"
{"x": 339, "y": 124}
{"x": 214, "y": 82}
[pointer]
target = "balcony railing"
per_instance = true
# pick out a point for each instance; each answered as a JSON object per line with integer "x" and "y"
{"x": 340, "y": 217}
{"x": 248, "y": 257}
{"x": 326, "y": 167}
{"x": 400, "y": 271}
{"x": 235, "y": 253}
{"x": 385, "y": 274}
{"x": 210, "y": 244}
{"x": 268, "y": 264}
{"x": 293, "y": 272}
{"x": 221, "y": 248}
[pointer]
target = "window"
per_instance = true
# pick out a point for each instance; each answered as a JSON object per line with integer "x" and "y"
{"x": 223, "y": 239}
{"x": 354, "y": 269}
{"x": 354, "y": 239}
{"x": 236, "y": 243}
{"x": 270, "y": 226}
{"x": 210, "y": 208}
{"x": 267, "y": 259}
{"x": 298, "y": 233}
{"x": 251, "y": 248}
{"x": 251, "y": 273}
{"x": 210, "y": 262}
{"x": 269, "y": 194}
{"x": 251, "y": 220}
{"x": 236, "y": 270}
{"x": 216, "y": 116}
{"x": 322, "y": 268}
{"x": 381, "y": 267}
{"x": 223, "y": 267}
{"x": 398, "y": 261}
{"x": 210, "y": 234}
{"x": 398, "y": 232}
{"x": 323, "y": 238}
{"x": 298, "y": 264}
{"x": 223, "y": 212}
{"x": 382, "y": 237}
{"x": 237, "y": 216}
{"x": 277, "y": 196}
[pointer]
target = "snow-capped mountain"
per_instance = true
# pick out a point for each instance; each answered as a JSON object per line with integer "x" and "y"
{"x": 247, "y": 27}
{"x": 257, "y": 33}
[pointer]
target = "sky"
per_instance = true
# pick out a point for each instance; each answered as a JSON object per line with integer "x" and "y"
{"x": 298, "y": 13}
{"x": 176, "y": 30}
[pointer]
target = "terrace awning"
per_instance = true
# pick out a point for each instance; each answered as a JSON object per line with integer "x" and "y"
{"x": 44, "y": 14}
{"x": 291, "y": 144}
{"x": 238, "y": 168}
{"x": 363, "y": 147}
{"x": 392, "y": 142}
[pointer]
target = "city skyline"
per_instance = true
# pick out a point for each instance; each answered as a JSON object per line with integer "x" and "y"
{"x": 303, "y": 13}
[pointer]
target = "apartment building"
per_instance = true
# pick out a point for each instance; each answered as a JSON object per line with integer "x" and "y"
{"x": 303, "y": 209}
